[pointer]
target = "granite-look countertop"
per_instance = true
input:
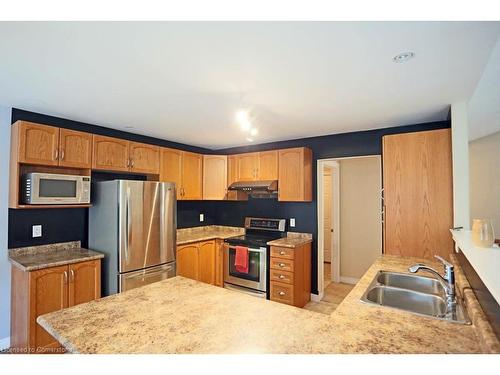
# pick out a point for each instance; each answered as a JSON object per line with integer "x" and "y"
{"x": 38, "y": 257}
{"x": 180, "y": 315}
{"x": 292, "y": 239}
{"x": 207, "y": 233}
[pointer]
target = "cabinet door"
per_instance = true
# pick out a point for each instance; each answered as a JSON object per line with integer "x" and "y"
{"x": 75, "y": 149}
{"x": 214, "y": 177}
{"x": 38, "y": 144}
{"x": 48, "y": 292}
{"x": 171, "y": 168}
{"x": 247, "y": 166}
{"x": 295, "y": 174}
{"x": 144, "y": 158}
{"x": 418, "y": 194}
{"x": 187, "y": 261}
{"x": 219, "y": 263}
{"x": 192, "y": 182}
{"x": 110, "y": 154}
{"x": 84, "y": 282}
{"x": 268, "y": 165}
{"x": 206, "y": 262}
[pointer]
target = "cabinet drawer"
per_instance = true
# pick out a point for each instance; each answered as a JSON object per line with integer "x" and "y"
{"x": 282, "y": 252}
{"x": 282, "y": 264}
{"x": 281, "y": 276}
{"x": 281, "y": 292}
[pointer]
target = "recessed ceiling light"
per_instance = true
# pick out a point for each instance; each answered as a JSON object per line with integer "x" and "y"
{"x": 253, "y": 131}
{"x": 403, "y": 57}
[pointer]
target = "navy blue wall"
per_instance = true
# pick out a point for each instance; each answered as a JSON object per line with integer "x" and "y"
{"x": 71, "y": 224}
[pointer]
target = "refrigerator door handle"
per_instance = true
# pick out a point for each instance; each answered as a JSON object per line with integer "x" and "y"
{"x": 128, "y": 223}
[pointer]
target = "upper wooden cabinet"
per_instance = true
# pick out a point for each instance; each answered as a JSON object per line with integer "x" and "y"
{"x": 295, "y": 175}
{"x": 255, "y": 166}
{"x": 192, "y": 172}
{"x": 268, "y": 165}
{"x": 418, "y": 193}
{"x": 144, "y": 158}
{"x": 75, "y": 149}
{"x": 114, "y": 154}
{"x": 37, "y": 144}
{"x": 110, "y": 154}
{"x": 214, "y": 177}
{"x": 34, "y": 293}
{"x": 185, "y": 170}
{"x": 247, "y": 165}
{"x": 51, "y": 146}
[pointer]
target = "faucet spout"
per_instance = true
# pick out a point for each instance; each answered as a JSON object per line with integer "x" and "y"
{"x": 447, "y": 281}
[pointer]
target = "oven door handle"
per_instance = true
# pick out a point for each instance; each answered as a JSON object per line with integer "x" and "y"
{"x": 249, "y": 249}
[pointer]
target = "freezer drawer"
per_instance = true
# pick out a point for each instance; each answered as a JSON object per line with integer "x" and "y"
{"x": 136, "y": 279}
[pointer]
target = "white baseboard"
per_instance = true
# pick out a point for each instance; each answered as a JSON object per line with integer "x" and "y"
{"x": 316, "y": 297}
{"x": 348, "y": 280}
{"x": 5, "y": 343}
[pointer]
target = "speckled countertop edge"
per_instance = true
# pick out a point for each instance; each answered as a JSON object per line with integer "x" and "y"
{"x": 34, "y": 258}
{"x": 292, "y": 239}
{"x": 206, "y": 233}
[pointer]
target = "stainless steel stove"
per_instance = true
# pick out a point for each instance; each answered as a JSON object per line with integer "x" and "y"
{"x": 258, "y": 231}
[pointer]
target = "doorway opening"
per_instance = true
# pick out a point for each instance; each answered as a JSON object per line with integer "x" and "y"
{"x": 349, "y": 220}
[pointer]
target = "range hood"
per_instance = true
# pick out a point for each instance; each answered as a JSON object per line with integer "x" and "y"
{"x": 257, "y": 189}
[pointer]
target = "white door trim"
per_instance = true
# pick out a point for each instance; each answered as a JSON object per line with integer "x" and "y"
{"x": 5, "y": 343}
{"x": 336, "y": 277}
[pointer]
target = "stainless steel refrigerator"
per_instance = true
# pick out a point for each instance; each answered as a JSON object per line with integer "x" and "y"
{"x": 134, "y": 224}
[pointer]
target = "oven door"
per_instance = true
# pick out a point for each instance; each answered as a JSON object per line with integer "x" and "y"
{"x": 257, "y": 264}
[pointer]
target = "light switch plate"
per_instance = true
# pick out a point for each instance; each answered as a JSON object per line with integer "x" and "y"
{"x": 36, "y": 231}
{"x": 292, "y": 222}
{"x": 202, "y": 217}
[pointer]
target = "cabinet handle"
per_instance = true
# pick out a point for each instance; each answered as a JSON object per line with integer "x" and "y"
{"x": 282, "y": 253}
{"x": 72, "y": 274}
{"x": 128, "y": 162}
{"x": 281, "y": 293}
{"x": 281, "y": 276}
{"x": 65, "y": 277}
{"x": 62, "y": 154}
{"x": 132, "y": 163}
{"x": 282, "y": 264}
{"x": 56, "y": 154}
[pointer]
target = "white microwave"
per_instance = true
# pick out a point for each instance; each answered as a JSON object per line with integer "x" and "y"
{"x": 49, "y": 188}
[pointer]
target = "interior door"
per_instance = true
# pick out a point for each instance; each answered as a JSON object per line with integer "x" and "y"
{"x": 132, "y": 280}
{"x": 140, "y": 211}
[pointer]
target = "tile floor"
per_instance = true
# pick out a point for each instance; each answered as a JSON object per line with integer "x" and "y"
{"x": 334, "y": 294}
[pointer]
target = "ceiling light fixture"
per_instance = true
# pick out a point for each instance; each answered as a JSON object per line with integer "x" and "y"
{"x": 244, "y": 120}
{"x": 403, "y": 57}
{"x": 253, "y": 131}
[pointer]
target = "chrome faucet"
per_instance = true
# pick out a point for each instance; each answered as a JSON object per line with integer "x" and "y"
{"x": 447, "y": 281}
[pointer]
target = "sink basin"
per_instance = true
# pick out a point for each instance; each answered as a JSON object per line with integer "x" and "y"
{"x": 420, "y": 303}
{"x": 416, "y": 294}
{"x": 411, "y": 282}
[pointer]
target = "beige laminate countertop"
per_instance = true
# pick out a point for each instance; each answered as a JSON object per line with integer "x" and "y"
{"x": 180, "y": 315}
{"x": 38, "y": 257}
{"x": 292, "y": 240}
{"x": 206, "y": 233}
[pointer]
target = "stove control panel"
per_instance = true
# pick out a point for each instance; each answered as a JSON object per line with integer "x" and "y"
{"x": 275, "y": 225}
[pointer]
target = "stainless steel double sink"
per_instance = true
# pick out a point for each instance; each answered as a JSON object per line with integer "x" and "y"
{"x": 416, "y": 294}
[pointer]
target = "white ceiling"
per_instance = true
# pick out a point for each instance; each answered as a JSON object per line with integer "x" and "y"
{"x": 185, "y": 81}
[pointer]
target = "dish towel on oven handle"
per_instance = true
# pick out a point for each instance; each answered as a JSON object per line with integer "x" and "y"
{"x": 241, "y": 259}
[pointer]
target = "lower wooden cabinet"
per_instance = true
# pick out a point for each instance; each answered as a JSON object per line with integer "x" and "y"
{"x": 290, "y": 275}
{"x": 39, "y": 292}
{"x": 201, "y": 261}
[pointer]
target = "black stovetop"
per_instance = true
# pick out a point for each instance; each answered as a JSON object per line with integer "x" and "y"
{"x": 253, "y": 239}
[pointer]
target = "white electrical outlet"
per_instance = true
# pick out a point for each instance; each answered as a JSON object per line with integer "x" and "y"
{"x": 202, "y": 217}
{"x": 292, "y": 222}
{"x": 36, "y": 231}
